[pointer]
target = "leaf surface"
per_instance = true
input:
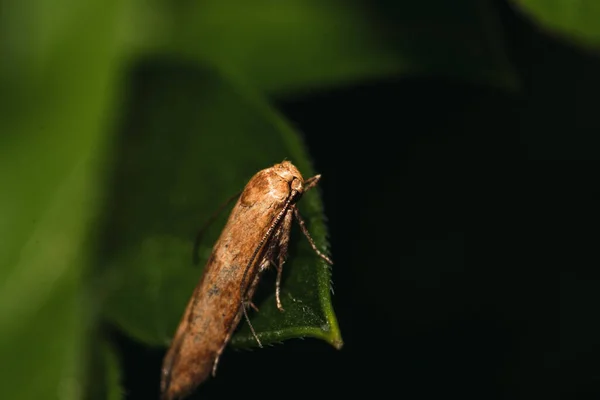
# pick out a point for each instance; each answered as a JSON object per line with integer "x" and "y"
{"x": 191, "y": 140}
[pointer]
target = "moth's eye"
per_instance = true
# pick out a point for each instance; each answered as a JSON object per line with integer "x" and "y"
{"x": 296, "y": 184}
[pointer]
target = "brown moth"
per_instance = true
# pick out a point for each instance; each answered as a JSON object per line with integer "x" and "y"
{"x": 256, "y": 235}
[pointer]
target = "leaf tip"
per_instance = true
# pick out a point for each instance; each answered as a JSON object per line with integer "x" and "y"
{"x": 338, "y": 343}
{"x": 335, "y": 338}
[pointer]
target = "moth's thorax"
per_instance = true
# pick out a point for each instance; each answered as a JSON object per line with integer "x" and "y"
{"x": 276, "y": 182}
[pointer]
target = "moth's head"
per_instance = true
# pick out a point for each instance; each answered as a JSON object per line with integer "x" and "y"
{"x": 290, "y": 174}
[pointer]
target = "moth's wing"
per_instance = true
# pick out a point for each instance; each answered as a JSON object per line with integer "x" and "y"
{"x": 202, "y": 231}
{"x": 173, "y": 351}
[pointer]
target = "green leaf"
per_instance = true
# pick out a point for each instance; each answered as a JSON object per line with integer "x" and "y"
{"x": 59, "y": 63}
{"x": 104, "y": 377}
{"x": 577, "y": 20}
{"x": 295, "y": 45}
{"x": 191, "y": 140}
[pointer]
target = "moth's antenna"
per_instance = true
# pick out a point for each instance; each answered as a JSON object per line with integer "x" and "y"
{"x": 257, "y": 249}
{"x": 202, "y": 231}
{"x": 311, "y": 182}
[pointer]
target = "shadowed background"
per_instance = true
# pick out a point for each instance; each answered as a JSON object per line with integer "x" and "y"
{"x": 461, "y": 223}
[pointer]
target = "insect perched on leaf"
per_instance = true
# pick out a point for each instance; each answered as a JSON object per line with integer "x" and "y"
{"x": 256, "y": 236}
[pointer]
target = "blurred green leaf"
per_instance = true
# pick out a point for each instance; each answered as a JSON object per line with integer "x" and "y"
{"x": 577, "y": 20}
{"x": 113, "y": 374}
{"x": 286, "y": 46}
{"x": 59, "y": 63}
{"x": 188, "y": 142}
{"x": 104, "y": 377}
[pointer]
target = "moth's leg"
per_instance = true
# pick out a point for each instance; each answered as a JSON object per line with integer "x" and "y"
{"x": 311, "y": 182}
{"x": 310, "y": 239}
{"x": 279, "y": 245}
{"x": 264, "y": 266}
{"x": 251, "y": 290}
{"x": 252, "y": 305}
{"x": 284, "y": 240}
{"x": 247, "y": 300}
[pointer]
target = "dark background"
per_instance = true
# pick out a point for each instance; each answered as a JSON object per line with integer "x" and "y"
{"x": 463, "y": 227}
